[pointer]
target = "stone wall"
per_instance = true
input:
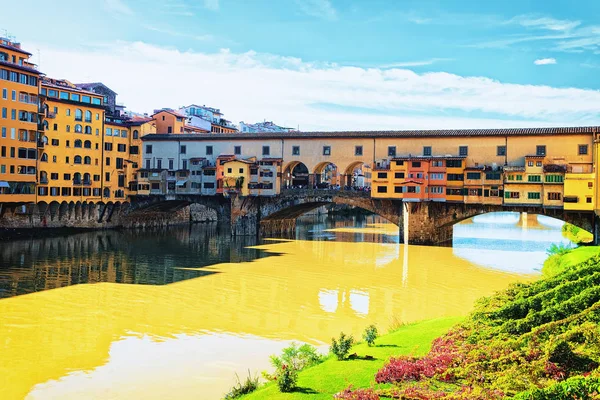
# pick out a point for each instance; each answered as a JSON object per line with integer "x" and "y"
{"x": 202, "y": 213}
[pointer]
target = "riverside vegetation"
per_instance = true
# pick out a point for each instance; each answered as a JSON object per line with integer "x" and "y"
{"x": 532, "y": 341}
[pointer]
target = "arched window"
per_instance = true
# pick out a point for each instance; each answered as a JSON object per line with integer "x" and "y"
{"x": 45, "y": 140}
{"x": 86, "y": 178}
{"x": 78, "y": 114}
{"x": 44, "y": 157}
{"x": 68, "y": 128}
{"x": 77, "y": 128}
{"x": 77, "y": 177}
{"x": 43, "y": 177}
{"x": 106, "y": 193}
{"x": 88, "y": 116}
{"x": 77, "y": 160}
{"x": 78, "y": 143}
{"x": 136, "y": 134}
{"x": 87, "y": 160}
{"x": 45, "y": 125}
{"x": 87, "y": 144}
{"x": 88, "y": 130}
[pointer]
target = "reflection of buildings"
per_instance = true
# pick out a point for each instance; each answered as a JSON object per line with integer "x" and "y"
{"x": 155, "y": 258}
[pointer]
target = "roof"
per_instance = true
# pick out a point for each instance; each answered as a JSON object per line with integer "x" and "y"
{"x": 172, "y": 112}
{"x": 21, "y": 67}
{"x": 89, "y": 86}
{"x": 13, "y": 48}
{"x": 425, "y": 158}
{"x": 274, "y": 159}
{"x": 557, "y": 131}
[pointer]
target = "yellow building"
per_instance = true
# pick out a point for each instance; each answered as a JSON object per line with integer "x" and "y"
{"x": 579, "y": 191}
{"x": 71, "y": 167}
{"x": 19, "y": 118}
{"x": 236, "y": 176}
{"x": 169, "y": 121}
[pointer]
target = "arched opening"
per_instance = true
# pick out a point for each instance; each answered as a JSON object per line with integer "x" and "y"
{"x": 78, "y": 143}
{"x": 87, "y": 160}
{"x": 87, "y": 179}
{"x": 77, "y": 160}
{"x": 327, "y": 176}
{"x": 43, "y": 177}
{"x": 296, "y": 175}
{"x": 88, "y": 130}
{"x": 78, "y": 128}
{"x": 87, "y": 144}
{"x": 106, "y": 193}
{"x": 357, "y": 176}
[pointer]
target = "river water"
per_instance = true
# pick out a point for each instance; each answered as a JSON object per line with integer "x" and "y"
{"x": 176, "y": 313}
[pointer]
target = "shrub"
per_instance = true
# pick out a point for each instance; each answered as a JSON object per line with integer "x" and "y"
{"x": 572, "y": 388}
{"x": 240, "y": 389}
{"x": 370, "y": 335}
{"x": 297, "y": 357}
{"x": 286, "y": 379}
{"x": 559, "y": 249}
{"x": 358, "y": 394}
{"x": 341, "y": 347}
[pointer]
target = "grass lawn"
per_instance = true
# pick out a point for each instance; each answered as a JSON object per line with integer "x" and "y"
{"x": 558, "y": 263}
{"x": 324, "y": 380}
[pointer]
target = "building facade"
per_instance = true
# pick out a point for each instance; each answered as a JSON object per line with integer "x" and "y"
{"x": 19, "y": 124}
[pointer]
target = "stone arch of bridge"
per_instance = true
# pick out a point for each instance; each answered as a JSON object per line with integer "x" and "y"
{"x": 357, "y": 174}
{"x": 296, "y": 174}
{"x": 327, "y": 173}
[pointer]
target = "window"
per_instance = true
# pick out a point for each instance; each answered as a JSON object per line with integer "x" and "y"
{"x": 88, "y": 115}
{"x": 108, "y": 146}
{"x": 14, "y": 95}
{"x": 583, "y": 149}
{"x": 416, "y": 164}
{"x": 455, "y": 177}
{"x": 511, "y": 195}
{"x": 427, "y": 150}
{"x": 87, "y": 160}
{"x": 382, "y": 175}
{"x": 170, "y": 163}
{"x": 454, "y": 163}
{"x": 436, "y": 177}
{"x": 590, "y": 185}
{"x": 530, "y": 163}
{"x": 554, "y": 178}
{"x": 237, "y": 150}
{"x": 77, "y": 159}
{"x": 399, "y": 175}
{"x": 326, "y": 150}
{"x": 209, "y": 185}
{"x": 538, "y": 163}
{"x": 55, "y": 142}
{"x": 209, "y": 150}
{"x": 391, "y": 151}
{"x": 184, "y": 164}
{"x": 266, "y": 150}
{"x": 182, "y": 149}
{"x": 148, "y": 149}
{"x": 229, "y": 170}
{"x": 501, "y": 151}
{"x": 147, "y": 164}
{"x": 241, "y": 170}
{"x": 493, "y": 176}
{"x": 136, "y": 134}
{"x": 534, "y": 178}
{"x": 88, "y": 130}
{"x": 68, "y": 128}
{"x": 358, "y": 150}
{"x": 96, "y": 178}
{"x": 295, "y": 150}
{"x": 133, "y": 150}
{"x": 519, "y": 177}
{"x": 159, "y": 163}
{"x": 107, "y": 161}
{"x": 474, "y": 175}
{"x": 107, "y": 176}
{"x": 78, "y": 143}
{"x": 588, "y": 200}
{"x": 3, "y": 132}
{"x": 78, "y": 114}
{"x": 68, "y": 112}
{"x": 169, "y": 129}
{"x": 122, "y": 148}
{"x": 381, "y": 189}
{"x": 463, "y": 151}
{"x": 87, "y": 144}
{"x": 78, "y": 128}
{"x": 533, "y": 195}
{"x": 5, "y": 94}
{"x": 553, "y": 196}
{"x": 4, "y": 112}
{"x": 540, "y": 150}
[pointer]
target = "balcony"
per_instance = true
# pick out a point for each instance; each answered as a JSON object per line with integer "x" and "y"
{"x": 50, "y": 115}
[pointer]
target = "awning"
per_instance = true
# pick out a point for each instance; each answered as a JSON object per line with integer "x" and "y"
{"x": 181, "y": 183}
{"x": 4, "y": 184}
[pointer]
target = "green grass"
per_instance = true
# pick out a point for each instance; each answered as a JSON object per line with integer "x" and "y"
{"x": 324, "y": 380}
{"x": 558, "y": 263}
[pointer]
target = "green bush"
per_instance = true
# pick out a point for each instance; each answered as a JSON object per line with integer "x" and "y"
{"x": 570, "y": 389}
{"x": 341, "y": 347}
{"x": 370, "y": 334}
{"x": 240, "y": 389}
{"x": 297, "y": 357}
{"x": 286, "y": 379}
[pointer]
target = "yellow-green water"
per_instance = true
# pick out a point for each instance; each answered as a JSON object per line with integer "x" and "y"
{"x": 187, "y": 339}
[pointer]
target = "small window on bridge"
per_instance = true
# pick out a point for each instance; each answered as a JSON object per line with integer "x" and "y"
{"x": 237, "y": 150}
{"x": 326, "y": 150}
{"x": 463, "y": 151}
{"x": 391, "y": 151}
{"x": 381, "y": 189}
{"x": 501, "y": 151}
{"x": 209, "y": 150}
{"x": 540, "y": 150}
{"x": 427, "y": 150}
{"x": 295, "y": 150}
{"x": 583, "y": 149}
{"x": 266, "y": 150}
{"x": 358, "y": 150}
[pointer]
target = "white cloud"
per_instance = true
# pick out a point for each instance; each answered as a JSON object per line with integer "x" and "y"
{"x": 318, "y": 8}
{"x": 118, "y": 6}
{"x": 545, "y": 61}
{"x": 414, "y": 63}
{"x": 252, "y": 86}
{"x": 202, "y": 38}
{"x": 211, "y": 4}
{"x": 537, "y": 22}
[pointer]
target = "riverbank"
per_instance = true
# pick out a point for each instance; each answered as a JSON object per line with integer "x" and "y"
{"x": 330, "y": 377}
{"x": 541, "y": 339}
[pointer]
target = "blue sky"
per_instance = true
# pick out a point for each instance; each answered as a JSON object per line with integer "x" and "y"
{"x": 402, "y": 63}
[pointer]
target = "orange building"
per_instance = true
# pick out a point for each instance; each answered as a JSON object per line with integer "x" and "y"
{"x": 169, "y": 121}
{"x": 19, "y": 123}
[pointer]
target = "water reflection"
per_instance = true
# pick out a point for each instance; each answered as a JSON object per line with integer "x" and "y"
{"x": 507, "y": 241}
{"x": 199, "y": 314}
